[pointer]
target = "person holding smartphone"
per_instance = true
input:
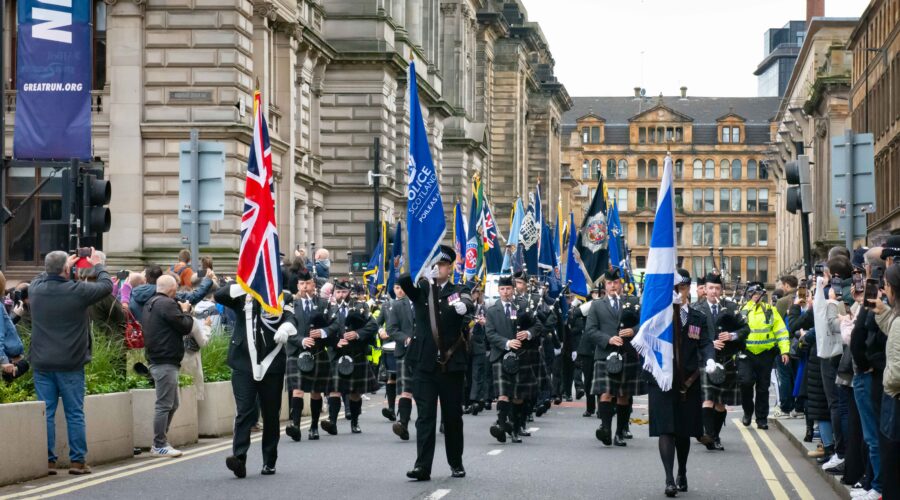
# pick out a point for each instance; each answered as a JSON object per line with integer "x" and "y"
{"x": 887, "y": 316}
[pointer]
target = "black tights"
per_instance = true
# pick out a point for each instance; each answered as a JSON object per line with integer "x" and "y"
{"x": 668, "y": 444}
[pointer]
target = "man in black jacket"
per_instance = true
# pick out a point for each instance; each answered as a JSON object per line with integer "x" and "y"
{"x": 400, "y": 328}
{"x": 166, "y": 322}
{"x": 442, "y": 310}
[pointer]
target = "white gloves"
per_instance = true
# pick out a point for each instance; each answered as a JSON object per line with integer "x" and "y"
{"x": 284, "y": 331}
{"x": 460, "y": 308}
{"x": 19, "y": 309}
{"x": 236, "y": 291}
{"x": 710, "y": 366}
{"x": 574, "y": 355}
{"x": 430, "y": 274}
{"x": 557, "y": 352}
{"x": 576, "y": 302}
{"x": 585, "y": 308}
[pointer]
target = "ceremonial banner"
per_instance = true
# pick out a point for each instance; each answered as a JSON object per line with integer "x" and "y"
{"x": 459, "y": 243}
{"x": 574, "y": 271}
{"x": 616, "y": 251}
{"x": 53, "y": 80}
{"x": 374, "y": 277}
{"x": 492, "y": 256}
{"x": 512, "y": 243}
{"x": 593, "y": 238}
{"x": 425, "y": 224}
{"x": 396, "y": 260}
{"x": 474, "y": 252}
{"x": 655, "y": 336}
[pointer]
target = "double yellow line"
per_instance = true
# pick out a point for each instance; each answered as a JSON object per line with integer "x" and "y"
{"x": 778, "y": 491}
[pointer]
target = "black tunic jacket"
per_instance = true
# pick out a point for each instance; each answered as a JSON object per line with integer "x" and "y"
{"x": 423, "y": 352}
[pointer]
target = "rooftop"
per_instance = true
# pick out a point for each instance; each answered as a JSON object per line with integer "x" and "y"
{"x": 704, "y": 110}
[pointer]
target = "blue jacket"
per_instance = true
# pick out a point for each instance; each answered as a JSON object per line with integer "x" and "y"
{"x": 142, "y": 294}
{"x": 10, "y": 343}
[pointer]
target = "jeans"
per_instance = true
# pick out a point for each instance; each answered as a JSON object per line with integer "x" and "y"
{"x": 50, "y": 387}
{"x": 862, "y": 390}
{"x": 840, "y": 418}
{"x": 165, "y": 378}
{"x": 826, "y": 432}
{"x": 785, "y": 384}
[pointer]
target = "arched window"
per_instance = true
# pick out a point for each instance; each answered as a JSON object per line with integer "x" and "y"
{"x": 610, "y": 169}
{"x": 595, "y": 169}
{"x": 623, "y": 169}
{"x": 736, "y": 169}
{"x": 653, "y": 169}
{"x": 642, "y": 169}
{"x": 698, "y": 169}
{"x": 725, "y": 169}
{"x": 710, "y": 169}
{"x": 751, "y": 169}
{"x": 586, "y": 170}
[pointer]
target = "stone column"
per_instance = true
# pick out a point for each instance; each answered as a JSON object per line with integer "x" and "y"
{"x": 414, "y": 21}
{"x": 125, "y": 39}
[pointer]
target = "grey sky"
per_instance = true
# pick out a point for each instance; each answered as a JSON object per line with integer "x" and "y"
{"x": 711, "y": 46}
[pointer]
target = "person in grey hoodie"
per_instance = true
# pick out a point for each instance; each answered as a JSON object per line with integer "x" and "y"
{"x": 143, "y": 293}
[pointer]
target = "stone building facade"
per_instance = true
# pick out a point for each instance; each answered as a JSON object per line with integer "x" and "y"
{"x": 723, "y": 192}
{"x": 333, "y": 76}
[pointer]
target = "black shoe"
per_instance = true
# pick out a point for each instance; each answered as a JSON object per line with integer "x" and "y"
{"x": 579, "y": 394}
{"x": 514, "y": 437}
{"x": 746, "y": 420}
{"x": 568, "y": 399}
{"x": 837, "y": 470}
{"x": 681, "y": 482}
{"x": 329, "y": 427}
{"x": 627, "y": 434}
{"x": 267, "y": 471}
{"x": 718, "y": 445}
{"x": 824, "y": 458}
{"x": 237, "y": 466}
{"x": 389, "y": 414}
{"x": 764, "y": 426}
{"x": 467, "y": 410}
{"x": 457, "y": 472}
{"x": 347, "y": 415}
{"x": 604, "y": 435}
{"x": 524, "y": 433}
{"x": 809, "y": 436}
{"x": 618, "y": 440}
{"x": 476, "y": 408}
{"x": 401, "y": 430}
{"x": 313, "y": 434}
{"x": 530, "y": 418}
{"x": 419, "y": 474}
{"x": 488, "y": 405}
{"x": 708, "y": 441}
{"x": 498, "y": 433}
{"x": 539, "y": 411}
{"x": 671, "y": 490}
{"x": 354, "y": 428}
{"x": 587, "y": 413}
{"x": 293, "y": 432}
{"x": 557, "y": 401}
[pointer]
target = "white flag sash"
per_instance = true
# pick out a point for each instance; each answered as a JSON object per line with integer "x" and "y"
{"x": 259, "y": 369}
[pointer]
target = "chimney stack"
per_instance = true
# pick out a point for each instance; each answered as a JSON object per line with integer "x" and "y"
{"x": 684, "y": 92}
{"x": 814, "y": 8}
{"x": 637, "y": 92}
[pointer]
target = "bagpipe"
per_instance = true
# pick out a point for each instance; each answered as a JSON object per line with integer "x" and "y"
{"x": 726, "y": 322}
{"x": 357, "y": 317}
{"x": 629, "y": 317}
{"x": 319, "y": 319}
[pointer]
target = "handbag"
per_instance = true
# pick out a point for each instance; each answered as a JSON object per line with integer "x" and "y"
{"x": 134, "y": 334}
{"x": 510, "y": 363}
{"x": 615, "y": 364}
{"x": 890, "y": 417}
{"x": 345, "y": 366}
{"x": 306, "y": 362}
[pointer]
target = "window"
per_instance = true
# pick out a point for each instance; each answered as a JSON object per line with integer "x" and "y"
{"x": 642, "y": 169}
{"x": 641, "y": 262}
{"x": 679, "y": 198}
{"x": 735, "y": 234}
{"x": 709, "y": 200}
{"x": 708, "y": 234}
{"x": 758, "y": 269}
{"x": 751, "y": 169}
{"x": 622, "y": 200}
{"x": 726, "y": 134}
{"x": 642, "y": 135}
{"x": 644, "y": 233}
{"x": 724, "y": 234}
{"x": 763, "y": 170}
{"x": 670, "y": 134}
{"x": 697, "y": 264}
{"x": 595, "y": 135}
{"x": 697, "y": 234}
{"x": 763, "y": 234}
{"x": 725, "y": 168}
{"x": 585, "y": 170}
{"x": 610, "y": 169}
{"x": 652, "y": 199}
{"x": 724, "y": 200}
{"x": 595, "y": 169}
{"x": 698, "y": 169}
{"x": 679, "y": 134}
{"x": 623, "y": 169}
{"x": 751, "y": 200}
{"x": 736, "y": 135}
{"x": 586, "y": 135}
{"x": 764, "y": 200}
{"x": 698, "y": 200}
{"x": 751, "y": 268}
{"x": 653, "y": 169}
{"x": 736, "y": 170}
{"x": 734, "y": 267}
{"x": 679, "y": 228}
{"x": 641, "y": 198}
{"x": 646, "y": 198}
{"x": 751, "y": 234}
{"x": 679, "y": 169}
{"x": 735, "y": 200}
{"x": 99, "y": 42}
{"x": 710, "y": 169}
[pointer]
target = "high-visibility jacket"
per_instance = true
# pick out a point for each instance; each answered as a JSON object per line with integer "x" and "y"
{"x": 767, "y": 329}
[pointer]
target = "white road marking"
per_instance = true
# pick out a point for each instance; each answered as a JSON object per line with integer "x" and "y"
{"x": 495, "y": 452}
{"x": 437, "y": 495}
{"x": 533, "y": 429}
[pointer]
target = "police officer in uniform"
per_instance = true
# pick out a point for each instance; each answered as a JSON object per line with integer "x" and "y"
{"x": 400, "y": 326}
{"x": 768, "y": 336}
{"x": 723, "y": 320}
{"x": 584, "y": 354}
{"x": 442, "y": 311}
{"x": 257, "y": 360}
{"x": 611, "y": 341}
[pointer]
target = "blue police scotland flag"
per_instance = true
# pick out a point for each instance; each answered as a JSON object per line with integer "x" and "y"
{"x": 655, "y": 336}
{"x": 425, "y": 224}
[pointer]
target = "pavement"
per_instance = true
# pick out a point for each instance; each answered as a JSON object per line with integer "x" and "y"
{"x": 795, "y": 430}
{"x": 562, "y": 458}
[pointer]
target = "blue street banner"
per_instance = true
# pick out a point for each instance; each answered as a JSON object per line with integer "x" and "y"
{"x": 574, "y": 272}
{"x": 53, "y": 80}
{"x": 614, "y": 230}
{"x": 512, "y": 243}
{"x": 459, "y": 242}
{"x": 425, "y": 224}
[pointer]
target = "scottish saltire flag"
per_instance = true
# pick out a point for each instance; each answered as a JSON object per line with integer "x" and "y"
{"x": 492, "y": 255}
{"x": 259, "y": 269}
{"x": 512, "y": 243}
{"x": 459, "y": 243}
{"x": 396, "y": 262}
{"x": 425, "y": 224}
{"x": 616, "y": 252}
{"x": 374, "y": 276}
{"x": 574, "y": 271}
{"x": 655, "y": 337}
{"x": 473, "y": 236}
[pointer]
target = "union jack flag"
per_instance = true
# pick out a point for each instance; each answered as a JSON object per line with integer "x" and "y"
{"x": 259, "y": 270}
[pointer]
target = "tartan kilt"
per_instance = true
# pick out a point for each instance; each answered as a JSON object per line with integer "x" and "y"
{"x": 522, "y": 385}
{"x": 314, "y": 381}
{"x": 543, "y": 374}
{"x": 404, "y": 376}
{"x": 362, "y": 380}
{"x": 729, "y": 393}
{"x": 631, "y": 381}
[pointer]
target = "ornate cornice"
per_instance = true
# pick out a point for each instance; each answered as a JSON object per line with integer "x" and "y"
{"x": 265, "y": 9}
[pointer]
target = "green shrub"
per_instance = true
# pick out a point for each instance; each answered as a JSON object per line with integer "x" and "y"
{"x": 214, "y": 357}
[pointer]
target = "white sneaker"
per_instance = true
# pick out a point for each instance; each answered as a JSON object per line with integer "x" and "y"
{"x": 779, "y": 414}
{"x": 166, "y": 452}
{"x": 857, "y": 492}
{"x": 833, "y": 462}
{"x": 872, "y": 495}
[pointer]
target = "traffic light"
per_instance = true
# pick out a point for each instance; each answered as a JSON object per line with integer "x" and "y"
{"x": 94, "y": 194}
{"x": 798, "y": 197}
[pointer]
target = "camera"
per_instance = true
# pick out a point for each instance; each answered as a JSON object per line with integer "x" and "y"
{"x": 819, "y": 269}
{"x": 122, "y": 275}
{"x": 84, "y": 252}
